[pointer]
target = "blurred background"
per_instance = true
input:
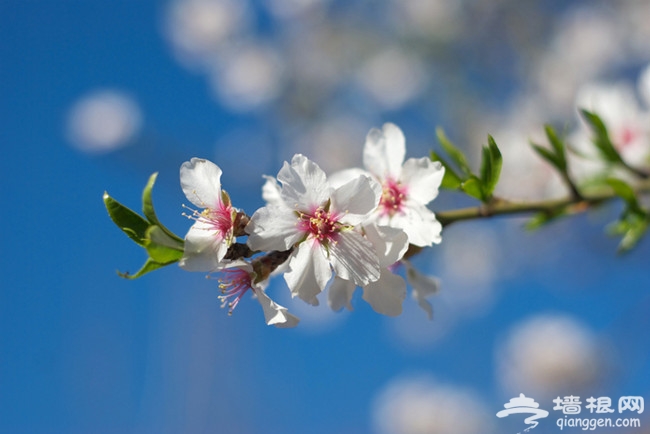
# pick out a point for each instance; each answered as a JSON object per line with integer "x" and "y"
{"x": 98, "y": 94}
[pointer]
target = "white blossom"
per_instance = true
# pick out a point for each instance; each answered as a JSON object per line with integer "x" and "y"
{"x": 407, "y": 186}
{"x": 209, "y": 238}
{"x": 318, "y": 222}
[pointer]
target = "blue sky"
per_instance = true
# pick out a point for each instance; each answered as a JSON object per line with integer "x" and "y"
{"x": 82, "y": 350}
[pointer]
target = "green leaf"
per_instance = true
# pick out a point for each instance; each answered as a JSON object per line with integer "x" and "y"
{"x": 632, "y": 228}
{"x": 454, "y": 153}
{"x": 451, "y": 180}
{"x": 148, "y": 266}
{"x": 601, "y": 139}
{"x": 558, "y": 147}
{"x": 474, "y": 187}
{"x": 543, "y": 218}
{"x": 161, "y": 247}
{"x": 548, "y": 156}
{"x": 126, "y": 219}
{"x": 148, "y": 209}
{"x": 626, "y": 192}
{"x": 493, "y": 169}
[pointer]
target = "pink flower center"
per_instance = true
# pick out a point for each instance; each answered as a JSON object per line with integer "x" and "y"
{"x": 234, "y": 283}
{"x": 320, "y": 224}
{"x": 219, "y": 218}
{"x": 392, "y": 198}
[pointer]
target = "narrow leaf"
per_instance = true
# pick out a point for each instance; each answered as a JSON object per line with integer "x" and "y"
{"x": 496, "y": 165}
{"x": 148, "y": 209}
{"x": 454, "y": 153}
{"x": 148, "y": 266}
{"x": 126, "y": 219}
{"x": 549, "y": 156}
{"x": 601, "y": 138}
{"x": 558, "y": 147}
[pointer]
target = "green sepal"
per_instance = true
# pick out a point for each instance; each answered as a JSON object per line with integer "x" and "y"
{"x": 454, "y": 153}
{"x": 148, "y": 209}
{"x": 126, "y": 219}
{"x": 601, "y": 137}
{"x": 450, "y": 180}
{"x": 474, "y": 187}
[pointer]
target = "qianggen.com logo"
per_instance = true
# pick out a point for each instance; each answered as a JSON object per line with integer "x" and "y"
{"x": 573, "y": 417}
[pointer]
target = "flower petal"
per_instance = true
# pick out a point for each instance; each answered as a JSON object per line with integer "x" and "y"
{"x": 423, "y": 287}
{"x": 201, "y": 182}
{"x": 419, "y": 223}
{"x": 340, "y": 293}
{"x": 204, "y": 248}
{"x": 354, "y": 258}
{"x": 309, "y": 272}
{"x": 356, "y": 199}
{"x": 423, "y": 178}
{"x": 390, "y": 243}
{"x": 274, "y": 313}
{"x": 341, "y": 177}
{"x": 387, "y": 294}
{"x": 272, "y": 228}
{"x": 304, "y": 184}
{"x": 383, "y": 153}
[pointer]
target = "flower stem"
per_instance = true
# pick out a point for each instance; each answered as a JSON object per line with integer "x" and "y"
{"x": 496, "y": 207}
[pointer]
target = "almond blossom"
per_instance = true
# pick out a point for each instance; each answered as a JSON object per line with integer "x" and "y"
{"x": 406, "y": 186}
{"x": 236, "y": 279}
{"x": 212, "y": 233}
{"x": 317, "y": 221}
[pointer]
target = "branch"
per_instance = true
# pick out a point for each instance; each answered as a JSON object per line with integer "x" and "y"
{"x": 569, "y": 205}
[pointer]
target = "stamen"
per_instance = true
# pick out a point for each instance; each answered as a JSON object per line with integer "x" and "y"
{"x": 234, "y": 283}
{"x": 321, "y": 225}
{"x": 392, "y": 198}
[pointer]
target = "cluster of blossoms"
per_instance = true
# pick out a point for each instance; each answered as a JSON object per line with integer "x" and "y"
{"x": 351, "y": 230}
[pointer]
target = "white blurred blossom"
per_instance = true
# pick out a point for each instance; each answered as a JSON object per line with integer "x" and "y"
{"x": 549, "y": 354}
{"x": 420, "y": 405}
{"x": 333, "y": 142}
{"x": 249, "y": 76}
{"x": 587, "y": 43}
{"x": 438, "y": 18}
{"x": 197, "y": 29}
{"x": 103, "y": 120}
{"x": 392, "y": 78}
